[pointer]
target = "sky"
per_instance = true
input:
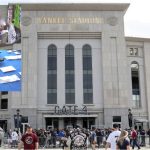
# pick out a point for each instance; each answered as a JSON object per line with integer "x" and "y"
{"x": 137, "y": 17}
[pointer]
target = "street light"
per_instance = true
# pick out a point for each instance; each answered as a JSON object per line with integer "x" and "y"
{"x": 130, "y": 117}
{"x": 17, "y": 119}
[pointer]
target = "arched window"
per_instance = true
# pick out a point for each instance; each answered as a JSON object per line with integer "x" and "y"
{"x": 69, "y": 74}
{"x": 135, "y": 84}
{"x": 52, "y": 75}
{"x": 87, "y": 74}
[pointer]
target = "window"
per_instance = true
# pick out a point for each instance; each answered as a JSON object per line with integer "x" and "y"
{"x": 69, "y": 63}
{"x": 88, "y": 98}
{"x": 52, "y": 81}
{"x": 52, "y": 75}
{"x": 52, "y": 63}
{"x": 87, "y": 74}
{"x": 4, "y": 103}
{"x": 87, "y": 81}
{"x": 52, "y": 98}
{"x": 135, "y": 84}
{"x": 116, "y": 118}
{"x": 133, "y": 51}
{"x": 87, "y": 65}
{"x": 70, "y": 98}
{"x": 69, "y": 74}
{"x": 70, "y": 81}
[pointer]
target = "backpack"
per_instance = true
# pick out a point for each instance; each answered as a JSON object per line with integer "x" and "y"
{"x": 134, "y": 135}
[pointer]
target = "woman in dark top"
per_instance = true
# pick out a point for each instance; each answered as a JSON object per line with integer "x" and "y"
{"x": 123, "y": 142}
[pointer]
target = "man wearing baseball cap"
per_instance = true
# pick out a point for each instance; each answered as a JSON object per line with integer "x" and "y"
{"x": 29, "y": 140}
{"x": 112, "y": 138}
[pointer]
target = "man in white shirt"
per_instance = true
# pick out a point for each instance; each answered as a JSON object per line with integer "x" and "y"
{"x": 14, "y": 137}
{"x": 112, "y": 138}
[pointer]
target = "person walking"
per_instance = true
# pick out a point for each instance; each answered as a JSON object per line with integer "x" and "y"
{"x": 14, "y": 137}
{"x": 123, "y": 141}
{"x": 134, "y": 136}
{"x": 54, "y": 136}
{"x": 142, "y": 134}
{"x": 99, "y": 136}
{"x": 112, "y": 138}
{"x": 61, "y": 135}
{"x": 93, "y": 139}
{"x": 29, "y": 140}
{"x": 48, "y": 140}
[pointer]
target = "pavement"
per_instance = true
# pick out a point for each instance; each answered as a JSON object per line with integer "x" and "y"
{"x": 142, "y": 148}
{"x": 53, "y": 149}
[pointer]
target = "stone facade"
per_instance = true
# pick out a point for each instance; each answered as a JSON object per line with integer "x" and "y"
{"x": 102, "y": 27}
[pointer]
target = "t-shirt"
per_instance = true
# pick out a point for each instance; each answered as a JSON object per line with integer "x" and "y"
{"x": 124, "y": 145}
{"x": 14, "y": 136}
{"x": 112, "y": 139}
{"x": 29, "y": 141}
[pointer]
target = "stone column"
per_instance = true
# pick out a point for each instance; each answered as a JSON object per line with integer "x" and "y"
{"x": 147, "y": 75}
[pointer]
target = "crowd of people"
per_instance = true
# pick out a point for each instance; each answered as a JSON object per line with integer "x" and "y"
{"x": 77, "y": 138}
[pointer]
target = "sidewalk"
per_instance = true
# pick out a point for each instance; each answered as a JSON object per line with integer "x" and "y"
{"x": 142, "y": 148}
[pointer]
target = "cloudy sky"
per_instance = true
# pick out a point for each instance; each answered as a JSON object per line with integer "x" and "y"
{"x": 137, "y": 18}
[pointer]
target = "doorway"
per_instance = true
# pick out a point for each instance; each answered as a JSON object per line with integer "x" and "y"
{"x": 70, "y": 122}
{"x": 3, "y": 124}
{"x": 88, "y": 123}
{"x": 52, "y": 123}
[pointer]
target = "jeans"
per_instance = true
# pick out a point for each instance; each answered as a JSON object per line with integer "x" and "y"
{"x": 135, "y": 144}
{"x": 14, "y": 143}
{"x": 143, "y": 140}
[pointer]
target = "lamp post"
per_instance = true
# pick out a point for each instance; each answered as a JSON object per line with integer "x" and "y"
{"x": 130, "y": 117}
{"x": 17, "y": 119}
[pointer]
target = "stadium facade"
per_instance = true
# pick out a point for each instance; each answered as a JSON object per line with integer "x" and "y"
{"x": 79, "y": 68}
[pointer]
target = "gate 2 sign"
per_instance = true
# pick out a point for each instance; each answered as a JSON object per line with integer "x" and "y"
{"x": 69, "y": 110}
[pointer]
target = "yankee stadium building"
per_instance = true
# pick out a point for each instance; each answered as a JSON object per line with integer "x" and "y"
{"x": 78, "y": 68}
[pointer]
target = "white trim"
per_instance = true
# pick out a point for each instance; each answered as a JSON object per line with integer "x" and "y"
{"x": 140, "y": 120}
{"x": 68, "y": 116}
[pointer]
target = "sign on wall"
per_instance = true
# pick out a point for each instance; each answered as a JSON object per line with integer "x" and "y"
{"x": 70, "y": 109}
